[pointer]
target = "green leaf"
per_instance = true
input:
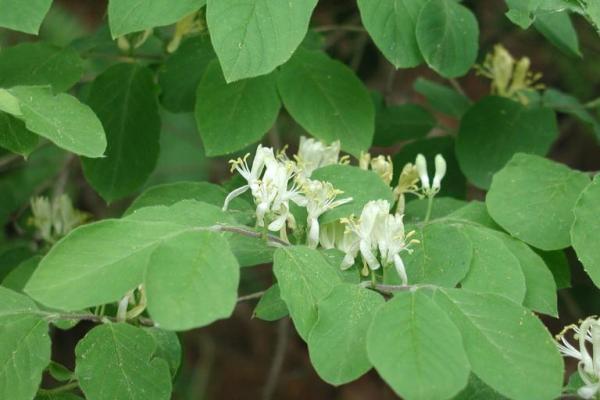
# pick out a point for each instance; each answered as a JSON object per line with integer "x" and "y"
{"x": 401, "y": 122}
{"x": 124, "y": 99}
{"x": 62, "y": 119}
{"x": 118, "y": 361}
{"x": 454, "y": 183}
{"x": 252, "y": 37}
{"x": 443, "y": 98}
{"x": 592, "y": 12}
{"x": 191, "y": 281}
{"x": 24, "y": 16}
{"x": 337, "y": 343}
{"x": 171, "y": 193}
{"x": 14, "y": 136}
{"x": 99, "y": 262}
{"x": 475, "y": 211}
{"x": 416, "y": 349}
{"x": 448, "y": 35}
{"x": 416, "y": 210}
{"x": 496, "y": 128}
{"x": 270, "y": 307}
{"x": 565, "y": 103}
{"x": 240, "y": 112}
{"x": 558, "y": 264}
{"x": 442, "y": 257}
{"x": 494, "y": 268}
{"x": 508, "y": 347}
{"x": 391, "y": 25}
{"x": 304, "y": 278}
{"x": 327, "y": 99}
{"x": 57, "y": 396}
{"x": 24, "y": 346}
{"x": 59, "y": 372}
{"x": 522, "y": 12}
{"x": 533, "y": 198}
{"x": 168, "y": 347}
{"x": 363, "y": 186}
{"x": 40, "y": 64}
{"x": 18, "y": 277}
{"x": 182, "y": 71}
{"x": 19, "y": 184}
{"x": 126, "y": 16}
{"x": 559, "y": 30}
{"x": 540, "y": 294}
{"x": 12, "y": 254}
{"x": 584, "y": 232}
{"x": 478, "y": 390}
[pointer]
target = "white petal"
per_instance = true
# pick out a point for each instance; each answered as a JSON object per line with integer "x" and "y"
{"x": 233, "y": 194}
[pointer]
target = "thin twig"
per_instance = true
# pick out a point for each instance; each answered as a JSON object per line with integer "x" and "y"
{"x": 249, "y": 233}
{"x": 384, "y": 288}
{"x": 283, "y": 334}
{"x": 361, "y": 44}
{"x": 9, "y": 159}
{"x": 456, "y": 85}
{"x": 330, "y": 28}
{"x": 251, "y": 296}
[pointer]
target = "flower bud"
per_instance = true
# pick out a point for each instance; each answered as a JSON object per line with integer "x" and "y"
{"x": 440, "y": 171}
{"x": 421, "y": 165}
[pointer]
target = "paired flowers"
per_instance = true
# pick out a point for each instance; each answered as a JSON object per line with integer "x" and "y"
{"x": 377, "y": 235}
{"x": 587, "y": 335}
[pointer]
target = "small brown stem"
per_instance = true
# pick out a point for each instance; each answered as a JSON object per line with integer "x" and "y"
{"x": 283, "y": 334}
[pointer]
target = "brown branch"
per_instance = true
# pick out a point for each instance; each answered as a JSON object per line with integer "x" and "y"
{"x": 283, "y": 334}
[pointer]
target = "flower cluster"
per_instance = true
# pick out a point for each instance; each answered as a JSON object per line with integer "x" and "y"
{"x": 274, "y": 181}
{"x": 510, "y": 78}
{"x": 587, "y": 335}
{"x": 377, "y": 235}
{"x": 55, "y": 218}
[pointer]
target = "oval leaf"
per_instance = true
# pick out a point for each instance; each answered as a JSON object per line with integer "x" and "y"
{"x": 252, "y": 37}
{"x": 328, "y": 100}
{"x": 584, "y": 232}
{"x": 338, "y": 341}
{"x": 533, "y": 198}
{"x": 417, "y": 349}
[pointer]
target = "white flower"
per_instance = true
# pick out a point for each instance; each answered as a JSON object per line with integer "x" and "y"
{"x": 313, "y": 154}
{"x": 392, "y": 242}
{"x": 320, "y": 197}
{"x": 421, "y": 164}
{"x": 251, "y": 175}
{"x": 440, "y": 171}
{"x": 366, "y": 233}
{"x": 588, "y": 366}
{"x": 384, "y": 167}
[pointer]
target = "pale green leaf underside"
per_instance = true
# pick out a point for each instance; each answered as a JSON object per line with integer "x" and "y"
{"x": 24, "y": 16}
{"x": 585, "y": 229}
{"x": 117, "y": 361}
{"x": 24, "y": 346}
{"x": 126, "y": 16}
{"x": 98, "y": 263}
{"x": 416, "y": 349}
{"x": 61, "y": 119}
{"x": 191, "y": 281}
{"x": 533, "y": 198}
{"x": 337, "y": 343}
{"x": 507, "y": 346}
{"x": 304, "y": 278}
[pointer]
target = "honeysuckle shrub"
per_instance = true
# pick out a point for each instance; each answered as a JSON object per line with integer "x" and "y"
{"x": 378, "y": 257}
